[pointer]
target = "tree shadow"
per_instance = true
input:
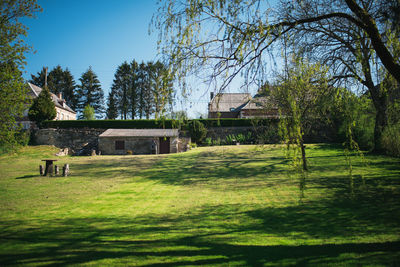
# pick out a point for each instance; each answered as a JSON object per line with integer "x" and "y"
{"x": 28, "y": 176}
{"x": 188, "y": 239}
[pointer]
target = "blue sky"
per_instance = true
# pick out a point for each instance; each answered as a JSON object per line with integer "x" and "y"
{"x": 76, "y": 34}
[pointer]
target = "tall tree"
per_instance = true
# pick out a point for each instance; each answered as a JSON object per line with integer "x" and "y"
{"x": 112, "y": 107}
{"x": 13, "y": 91}
{"x": 162, "y": 88}
{"x": 40, "y": 78}
{"x": 133, "y": 92}
{"x": 302, "y": 95}
{"x": 121, "y": 87}
{"x": 90, "y": 93}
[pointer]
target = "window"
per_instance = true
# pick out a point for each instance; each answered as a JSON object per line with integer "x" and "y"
{"x": 119, "y": 145}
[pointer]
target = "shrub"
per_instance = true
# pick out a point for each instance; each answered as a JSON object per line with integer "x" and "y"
{"x": 197, "y": 131}
{"x": 391, "y": 140}
{"x": 129, "y": 152}
{"x": 208, "y": 141}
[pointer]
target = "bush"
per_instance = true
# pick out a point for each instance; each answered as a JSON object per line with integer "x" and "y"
{"x": 391, "y": 140}
{"x": 197, "y": 131}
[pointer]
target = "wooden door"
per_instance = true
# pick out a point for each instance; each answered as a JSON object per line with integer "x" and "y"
{"x": 164, "y": 145}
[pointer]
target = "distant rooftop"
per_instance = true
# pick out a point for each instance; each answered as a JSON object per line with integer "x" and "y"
{"x": 228, "y": 102}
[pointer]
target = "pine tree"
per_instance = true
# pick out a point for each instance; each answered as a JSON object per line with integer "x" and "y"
{"x": 69, "y": 88}
{"x": 90, "y": 93}
{"x": 112, "y": 108}
{"x": 133, "y": 93}
{"x": 121, "y": 87}
{"x": 43, "y": 108}
{"x": 40, "y": 78}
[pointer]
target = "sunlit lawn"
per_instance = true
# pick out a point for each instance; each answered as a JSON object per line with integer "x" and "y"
{"x": 232, "y": 205}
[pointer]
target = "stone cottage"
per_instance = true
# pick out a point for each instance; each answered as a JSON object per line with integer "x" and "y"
{"x": 141, "y": 141}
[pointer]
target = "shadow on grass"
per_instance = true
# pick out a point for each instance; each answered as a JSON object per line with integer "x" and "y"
{"x": 200, "y": 238}
{"x": 28, "y": 176}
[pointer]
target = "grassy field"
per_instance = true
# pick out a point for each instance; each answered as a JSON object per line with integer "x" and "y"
{"x": 224, "y": 206}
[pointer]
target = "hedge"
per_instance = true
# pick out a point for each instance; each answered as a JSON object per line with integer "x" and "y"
{"x": 154, "y": 124}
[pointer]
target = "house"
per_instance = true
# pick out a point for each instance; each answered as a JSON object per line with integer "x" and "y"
{"x": 64, "y": 112}
{"x": 141, "y": 141}
{"x": 241, "y": 105}
{"x": 227, "y": 105}
{"x": 259, "y": 107}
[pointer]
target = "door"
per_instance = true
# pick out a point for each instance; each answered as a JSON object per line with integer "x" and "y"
{"x": 164, "y": 145}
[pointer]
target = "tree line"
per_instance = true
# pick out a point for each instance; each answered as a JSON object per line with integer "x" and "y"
{"x": 138, "y": 90}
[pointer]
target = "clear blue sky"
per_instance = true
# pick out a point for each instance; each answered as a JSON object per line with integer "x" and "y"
{"x": 76, "y": 34}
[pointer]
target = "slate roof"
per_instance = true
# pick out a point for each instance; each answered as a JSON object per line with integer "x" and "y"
{"x": 140, "y": 133}
{"x": 60, "y": 103}
{"x": 228, "y": 102}
{"x": 260, "y": 102}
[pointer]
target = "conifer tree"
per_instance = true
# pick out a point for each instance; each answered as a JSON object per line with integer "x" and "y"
{"x": 112, "y": 108}
{"x": 90, "y": 93}
{"x": 121, "y": 87}
{"x": 43, "y": 108}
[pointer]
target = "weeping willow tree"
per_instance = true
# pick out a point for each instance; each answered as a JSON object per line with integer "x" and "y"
{"x": 303, "y": 95}
{"x": 224, "y": 39}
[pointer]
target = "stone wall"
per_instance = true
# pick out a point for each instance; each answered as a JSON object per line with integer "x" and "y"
{"x": 74, "y": 139}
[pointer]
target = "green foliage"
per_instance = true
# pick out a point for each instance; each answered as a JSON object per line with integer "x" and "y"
{"x": 13, "y": 91}
{"x": 391, "y": 140}
{"x": 43, "y": 108}
{"x": 112, "y": 108}
{"x": 88, "y": 113}
{"x": 58, "y": 81}
{"x": 302, "y": 94}
{"x": 197, "y": 131}
{"x": 112, "y": 124}
{"x": 90, "y": 93}
{"x": 166, "y": 123}
{"x": 141, "y": 90}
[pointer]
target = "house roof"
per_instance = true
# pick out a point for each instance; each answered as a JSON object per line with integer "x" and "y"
{"x": 260, "y": 102}
{"x": 228, "y": 102}
{"x": 60, "y": 103}
{"x": 140, "y": 133}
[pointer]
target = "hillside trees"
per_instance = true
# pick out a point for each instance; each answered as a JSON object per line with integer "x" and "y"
{"x": 13, "y": 97}
{"x": 245, "y": 33}
{"x": 58, "y": 81}
{"x": 90, "y": 93}
{"x": 140, "y": 90}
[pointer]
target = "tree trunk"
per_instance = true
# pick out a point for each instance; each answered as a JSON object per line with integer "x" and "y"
{"x": 381, "y": 122}
{"x": 303, "y": 155}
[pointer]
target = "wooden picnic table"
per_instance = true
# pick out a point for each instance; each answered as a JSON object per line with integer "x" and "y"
{"x": 49, "y": 166}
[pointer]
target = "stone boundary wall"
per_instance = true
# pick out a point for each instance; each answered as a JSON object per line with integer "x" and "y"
{"x": 75, "y": 139}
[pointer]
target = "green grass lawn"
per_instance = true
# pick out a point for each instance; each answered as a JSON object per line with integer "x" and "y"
{"x": 224, "y": 206}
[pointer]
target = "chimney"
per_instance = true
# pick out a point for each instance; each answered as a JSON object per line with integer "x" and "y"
{"x": 59, "y": 95}
{"x": 211, "y": 95}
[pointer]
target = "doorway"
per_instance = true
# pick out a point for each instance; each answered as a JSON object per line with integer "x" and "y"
{"x": 164, "y": 145}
